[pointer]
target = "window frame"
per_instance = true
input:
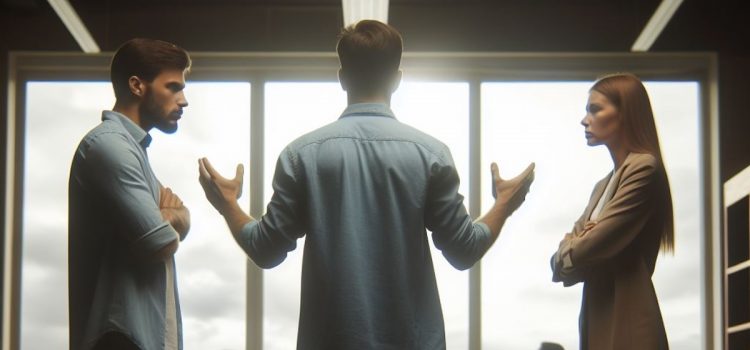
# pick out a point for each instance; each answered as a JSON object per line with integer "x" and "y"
{"x": 472, "y": 67}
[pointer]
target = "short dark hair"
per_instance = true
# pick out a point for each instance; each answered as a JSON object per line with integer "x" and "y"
{"x": 370, "y": 53}
{"x": 144, "y": 58}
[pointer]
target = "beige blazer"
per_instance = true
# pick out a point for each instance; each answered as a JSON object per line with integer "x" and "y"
{"x": 615, "y": 259}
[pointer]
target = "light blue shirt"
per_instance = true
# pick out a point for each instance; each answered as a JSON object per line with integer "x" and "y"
{"x": 363, "y": 190}
{"x": 114, "y": 225}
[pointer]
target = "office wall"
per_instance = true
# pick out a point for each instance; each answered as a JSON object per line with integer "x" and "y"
{"x": 570, "y": 26}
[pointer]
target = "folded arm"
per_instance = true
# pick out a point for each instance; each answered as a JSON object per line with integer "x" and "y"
{"x": 114, "y": 170}
{"x": 620, "y": 222}
{"x": 174, "y": 211}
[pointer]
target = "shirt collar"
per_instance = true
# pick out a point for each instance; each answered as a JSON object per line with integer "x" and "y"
{"x": 369, "y": 110}
{"x": 138, "y": 134}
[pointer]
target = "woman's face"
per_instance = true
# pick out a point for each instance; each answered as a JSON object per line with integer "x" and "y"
{"x": 602, "y": 122}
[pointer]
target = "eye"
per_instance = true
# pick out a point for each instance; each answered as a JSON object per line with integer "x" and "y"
{"x": 175, "y": 87}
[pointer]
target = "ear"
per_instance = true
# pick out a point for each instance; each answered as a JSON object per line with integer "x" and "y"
{"x": 396, "y": 80}
{"x": 343, "y": 80}
{"x": 137, "y": 86}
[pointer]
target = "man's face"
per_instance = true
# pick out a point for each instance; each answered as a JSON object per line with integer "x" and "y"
{"x": 163, "y": 101}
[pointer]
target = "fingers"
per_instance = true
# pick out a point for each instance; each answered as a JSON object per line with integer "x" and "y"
{"x": 495, "y": 171}
{"x": 209, "y": 173}
{"x": 204, "y": 175}
{"x": 528, "y": 173}
{"x": 176, "y": 201}
{"x": 210, "y": 169}
{"x": 495, "y": 178}
{"x": 162, "y": 195}
{"x": 239, "y": 172}
{"x": 169, "y": 199}
{"x": 589, "y": 225}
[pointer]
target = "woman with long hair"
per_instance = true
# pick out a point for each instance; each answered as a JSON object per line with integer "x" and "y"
{"x": 613, "y": 246}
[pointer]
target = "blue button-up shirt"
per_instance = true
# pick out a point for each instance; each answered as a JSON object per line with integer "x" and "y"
{"x": 114, "y": 226}
{"x": 363, "y": 190}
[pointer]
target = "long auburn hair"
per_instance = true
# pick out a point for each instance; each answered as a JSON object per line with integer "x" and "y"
{"x": 627, "y": 93}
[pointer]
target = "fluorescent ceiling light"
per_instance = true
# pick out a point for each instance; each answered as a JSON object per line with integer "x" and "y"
{"x": 656, "y": 24}
{"x": 357, "y": 10}
{"x": 76, "y": 28}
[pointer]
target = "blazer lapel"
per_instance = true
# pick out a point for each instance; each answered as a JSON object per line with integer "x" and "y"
{"x": 616, "y": 180}
{"x": 598, "y": 191}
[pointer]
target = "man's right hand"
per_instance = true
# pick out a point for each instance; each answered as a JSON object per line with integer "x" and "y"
{"x": 221, "y": 192}
{"x": 510, "y": 194}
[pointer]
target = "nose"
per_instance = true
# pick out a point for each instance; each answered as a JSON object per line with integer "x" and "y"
{"x": 181, "y": 100}
{"x": 585, "y": 120}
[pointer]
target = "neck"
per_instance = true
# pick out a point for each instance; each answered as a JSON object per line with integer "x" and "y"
{"x": 131, "y": 111}
{"x": 618, "y": 154}
{"x": 353, "y": 98}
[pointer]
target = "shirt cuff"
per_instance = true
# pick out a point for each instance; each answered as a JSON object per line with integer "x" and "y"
{"x": 245, "y": 237}
{"x": 485, "y": 230}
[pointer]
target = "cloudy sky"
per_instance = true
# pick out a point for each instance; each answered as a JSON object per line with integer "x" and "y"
{"x": 522, "y": 122}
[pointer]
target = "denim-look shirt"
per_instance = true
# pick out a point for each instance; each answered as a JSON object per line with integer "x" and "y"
{"x": 364, "y": 190}
{"x": 114, "y": 227}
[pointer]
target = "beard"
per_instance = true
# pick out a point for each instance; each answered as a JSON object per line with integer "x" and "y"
{"x": 153, "y": 113}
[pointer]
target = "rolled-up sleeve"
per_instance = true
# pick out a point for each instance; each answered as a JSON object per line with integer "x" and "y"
{"x": 461, "y": 241}
{"x": 114, "y": 168}
{"x": 268, "y": 240}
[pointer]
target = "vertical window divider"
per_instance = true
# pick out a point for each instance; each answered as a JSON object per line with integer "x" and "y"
{"x": 13, "y": 251}
{"x": 475, "y": 204}
{"x": 254, "y": 280}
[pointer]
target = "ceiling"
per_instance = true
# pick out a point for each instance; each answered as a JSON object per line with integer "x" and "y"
{"x": 427, "y": 25}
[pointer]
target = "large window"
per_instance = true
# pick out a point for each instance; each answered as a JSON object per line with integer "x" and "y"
{"x": 210, "y": 267}
{"x": 475, "y": 104}
{"x": 540, "y": 122}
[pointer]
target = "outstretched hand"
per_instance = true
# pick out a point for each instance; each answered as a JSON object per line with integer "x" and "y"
{"x": 511, "y": 193}
{"x": 220, "y": 191}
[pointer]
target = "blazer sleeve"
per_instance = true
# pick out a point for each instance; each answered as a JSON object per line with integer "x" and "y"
{"x": 556, "y": 262}
{"x": 620, "y": 222}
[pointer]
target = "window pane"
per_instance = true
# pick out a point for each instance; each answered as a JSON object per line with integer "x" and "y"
{"x": 292, "y": 109}
{"x": 440, "y": 109}
{"x": 209, "y": 264}
{"x": 57, "y": 116}
{"x": 523, "y": 122}
{"x": 677, "y": 278}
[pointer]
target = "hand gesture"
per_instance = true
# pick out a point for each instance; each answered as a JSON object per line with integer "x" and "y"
{"x": 220, "y": 192}
{"x": 510, "y": 194}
